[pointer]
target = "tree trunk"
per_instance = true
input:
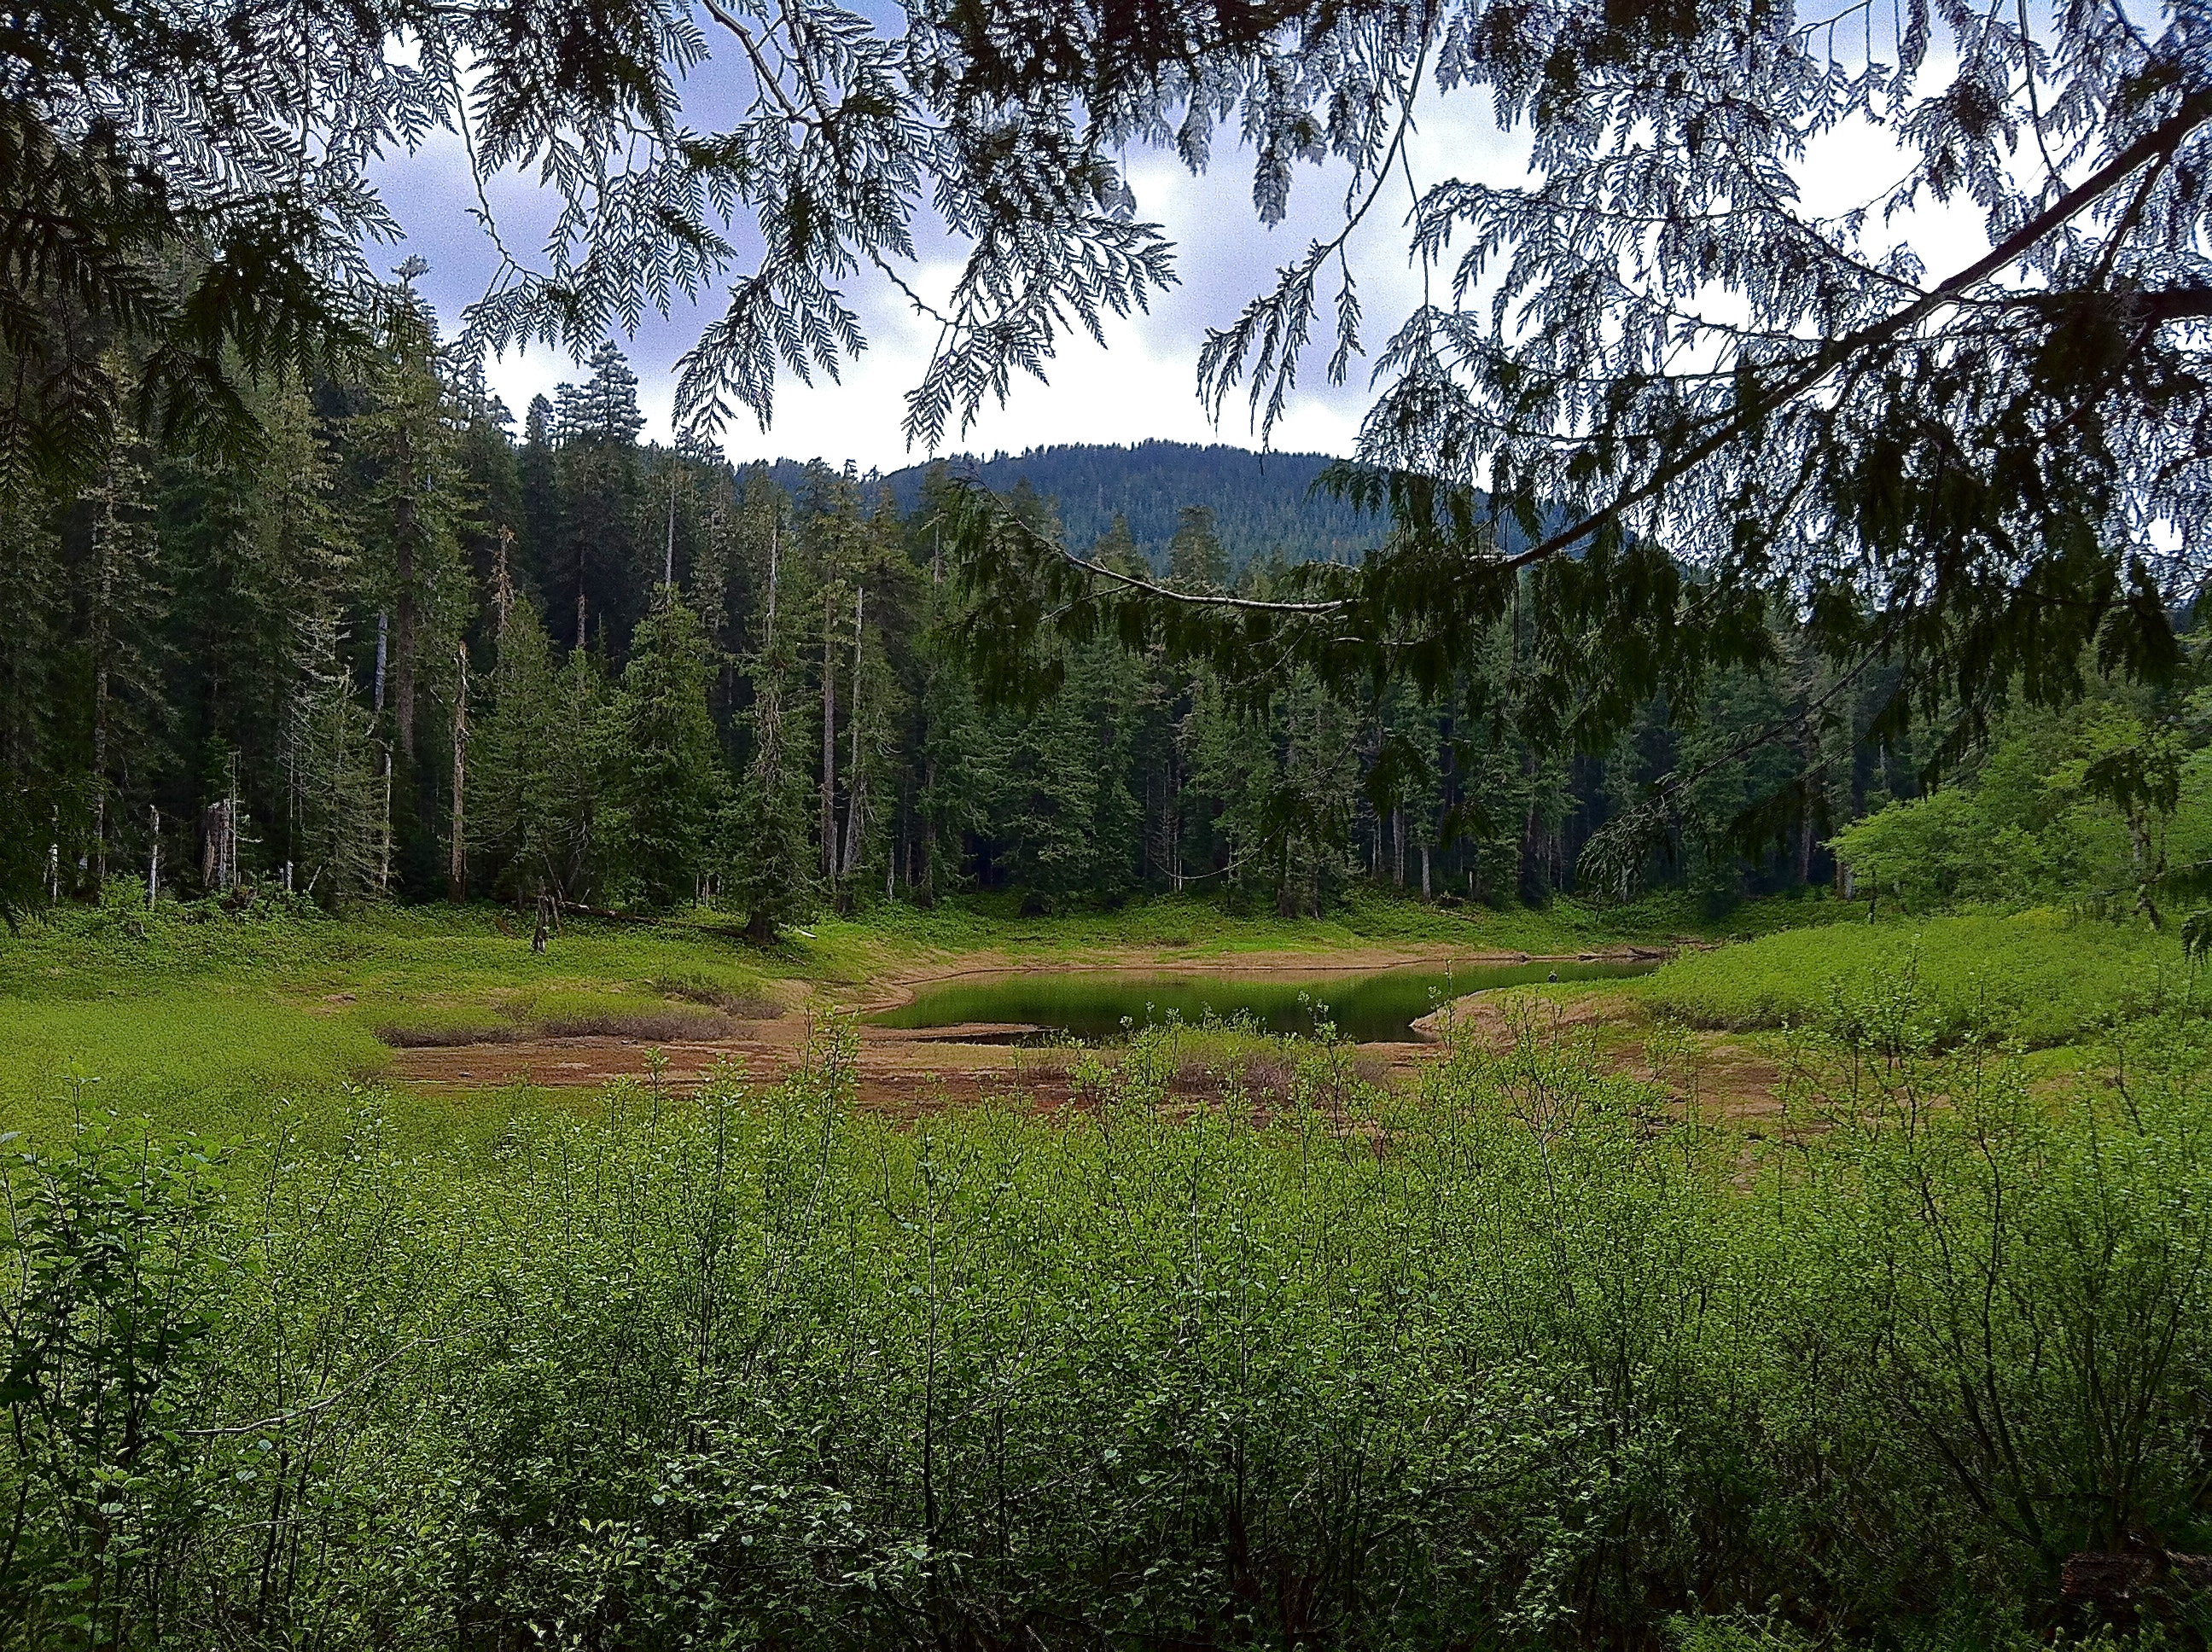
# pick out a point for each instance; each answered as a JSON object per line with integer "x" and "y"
{"x": 1398, "y": 845}
{"x": 402, "y": 627}
{"x": 1425, "y": 872}
{"x": 457, "y": 876}
{"x": 856, "y": 780}
{"x": 830, "y": 738}
{"x": 926, "y": 837}
{"x": 384, "y": 854}
{"x": 99, "y": 776}
{"x": 99, "y": 632}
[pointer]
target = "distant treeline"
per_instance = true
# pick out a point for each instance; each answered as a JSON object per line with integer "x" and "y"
{"x": 407, "y": 648}
{"x": 1263, "y": 505}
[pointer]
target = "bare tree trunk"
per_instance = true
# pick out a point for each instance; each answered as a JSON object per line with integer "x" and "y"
{"x": 403, "y": 618}
{"x": 768, "y": 624}
{"x": 154, "y": 860}
{"x": 856, "y": 783}
{"x": 668, "y": 562}
{"x": 1529, "y": 872}
{"x": 926, "y": 837}
{"x": 99, "y": 635}
{"x": 830, "y": 737}
{"x": 99, "y": 776}
{"x": 383, "y": 646}
{"x": 457, "y": 876}
{"x": 1425, "y": 872}
{"x": 384, "y": 851}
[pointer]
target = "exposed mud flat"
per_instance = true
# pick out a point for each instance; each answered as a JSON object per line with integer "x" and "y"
{"x": 915, "y": 1069}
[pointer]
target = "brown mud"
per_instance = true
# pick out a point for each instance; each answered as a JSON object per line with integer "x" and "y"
{"x": 902, "y": 1069}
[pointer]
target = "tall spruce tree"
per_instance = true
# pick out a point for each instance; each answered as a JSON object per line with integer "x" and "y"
{"x": 123, "y": 703}
{"x": 598, "y": 572}
{"x": 664, "y": 785}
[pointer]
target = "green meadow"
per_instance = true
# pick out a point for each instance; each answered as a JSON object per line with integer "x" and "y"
{"x": 1508, "y": 1349}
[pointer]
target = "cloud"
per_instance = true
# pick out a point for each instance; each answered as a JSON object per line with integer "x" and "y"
{"x": 1142, "y": 384}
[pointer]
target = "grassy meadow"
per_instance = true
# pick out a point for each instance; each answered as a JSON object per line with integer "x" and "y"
{"x": 1509, "y": 1350}
{"x": 197, "y": 1017}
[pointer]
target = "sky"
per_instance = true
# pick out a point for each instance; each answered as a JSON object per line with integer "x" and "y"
{"x": 1141, "y": 385}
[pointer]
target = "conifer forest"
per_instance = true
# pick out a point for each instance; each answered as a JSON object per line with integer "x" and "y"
{"x": 417, "y": 649}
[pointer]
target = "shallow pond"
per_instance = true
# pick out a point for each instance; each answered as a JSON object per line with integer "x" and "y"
{"x": 1369, "y": 1006}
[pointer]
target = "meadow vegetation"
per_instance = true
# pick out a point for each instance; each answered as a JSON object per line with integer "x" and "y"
{"x": 1521, "y": 1357}
{"x": 203, "y": 1017}
{"x": 2038, "y": 978}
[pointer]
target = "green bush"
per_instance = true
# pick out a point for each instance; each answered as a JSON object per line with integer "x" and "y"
{"x": 1511, "y": 1362}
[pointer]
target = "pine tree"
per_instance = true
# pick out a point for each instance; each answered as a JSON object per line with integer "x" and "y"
{"x": 663, "y": 783}
{"x": 125, "y": 706}
{"x": 250, "y": 551}
{"x": 764, "y": 857}
{"x": 411, "y": 508}
{"x": 337, "y": 773}
{"x": 1196, "y": 558}
{"x": 562, "y": 792}
{"x": 597, "y": 572}
{"x": 511, "y": 752}
{"x": 42, "y": 821}
{"x": 536, "y": 570}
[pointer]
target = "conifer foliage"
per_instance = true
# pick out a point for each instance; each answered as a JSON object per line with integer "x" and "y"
{"x": 1653, "y": 413}
{"x": 771, "y": 710}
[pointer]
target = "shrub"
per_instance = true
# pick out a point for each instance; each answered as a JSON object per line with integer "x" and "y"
{"x": 1509, "y": 1362}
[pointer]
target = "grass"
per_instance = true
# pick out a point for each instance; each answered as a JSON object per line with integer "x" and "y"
{"x": 2033, "y": 978}
{"x": 1506, "y": 1361}
{"x": 192, "y": 1017}
{"x": 1247, "y": 1349}
{"x": 190, "y": 1014}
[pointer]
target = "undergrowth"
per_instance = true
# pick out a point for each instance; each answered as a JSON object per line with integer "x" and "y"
{"x": 1519, "y": 1358}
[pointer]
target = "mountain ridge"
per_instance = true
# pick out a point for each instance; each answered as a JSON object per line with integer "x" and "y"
{"x": 1261, "y": 503}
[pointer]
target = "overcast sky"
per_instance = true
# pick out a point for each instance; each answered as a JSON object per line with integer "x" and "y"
{"x": 1141, "y": 385}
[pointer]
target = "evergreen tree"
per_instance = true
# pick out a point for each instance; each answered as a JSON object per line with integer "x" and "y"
{"x": 42, "y": 819}
{"x": 411, "y": 504}
{"x": 598, "y": 571}
{"x": 251, "y": 550}
{"x": 765, "y": 859}
{"x": 562, "y": 791}
{"x": 664, "y": 782}
{"x": 511, "y": 752}
{"x": 537, "y": 570}
{"x": 763, "y": 855}
{"x": 1050, "y": 807}
{"x": 1196, "y": 558}
{"x": 123, "y": 705}
{"x": 338, "y": 775}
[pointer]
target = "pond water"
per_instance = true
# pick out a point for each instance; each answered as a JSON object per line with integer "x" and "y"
{"x": 1370, "y": 1006}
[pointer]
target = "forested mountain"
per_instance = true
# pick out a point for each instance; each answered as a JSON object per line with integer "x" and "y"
{"x": 409, "y": 649}
{"x": 1262, "y": 504}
